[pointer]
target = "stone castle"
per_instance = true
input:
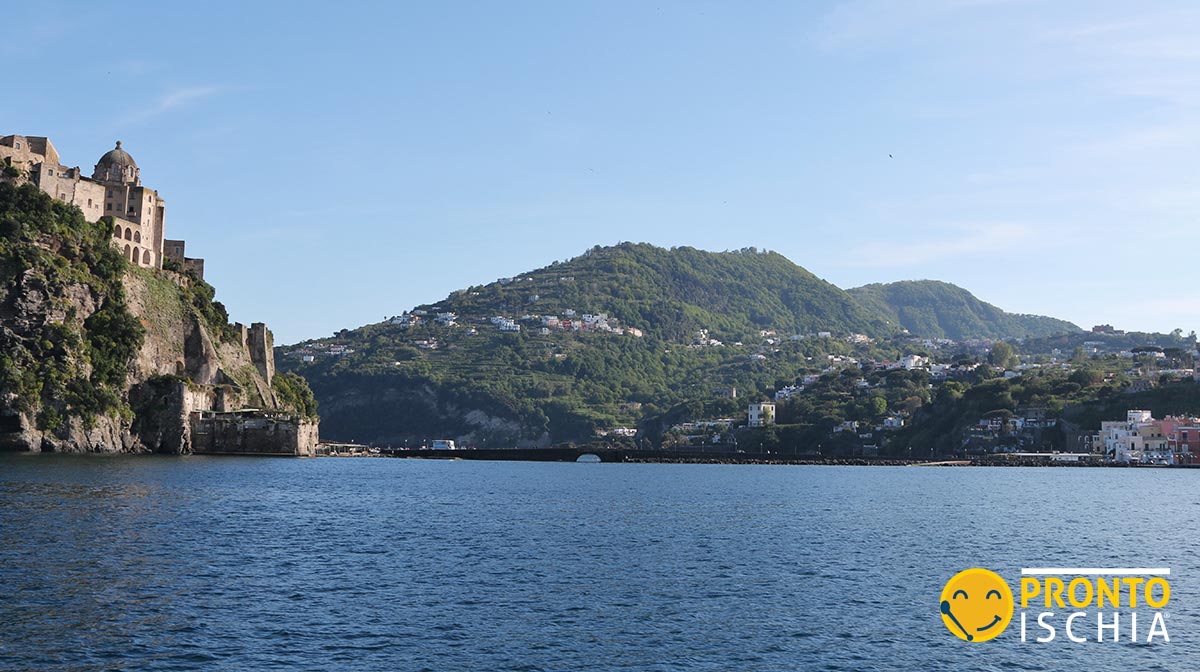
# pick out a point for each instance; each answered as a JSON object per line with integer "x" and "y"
{"x": 192, "y": 390}
{"x": 138, "y": 213}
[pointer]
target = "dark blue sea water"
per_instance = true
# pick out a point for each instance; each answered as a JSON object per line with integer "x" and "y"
{"x": 154, "y": 563}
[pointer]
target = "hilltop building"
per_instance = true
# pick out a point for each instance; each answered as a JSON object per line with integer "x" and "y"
{"x": 114, "y": 190}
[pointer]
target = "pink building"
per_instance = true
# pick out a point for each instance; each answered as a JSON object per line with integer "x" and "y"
{"x": 1183, "y": 438}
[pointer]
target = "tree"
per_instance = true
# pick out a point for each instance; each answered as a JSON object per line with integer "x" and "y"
{"x": 1002, "y": 354}
{"x": 1086, "y": 377}
{"x": 951, "y": 392}
{"x": 878, "y": 406}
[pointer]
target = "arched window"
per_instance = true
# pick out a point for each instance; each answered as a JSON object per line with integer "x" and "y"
{"x": 146, "y": 258}
{"x": 128, "y": 234}
{"x": 137, "y": 254}
{"x": 127, "y": 254}
{"x": 137, "y": 236}
{"x": 117, "y": 231}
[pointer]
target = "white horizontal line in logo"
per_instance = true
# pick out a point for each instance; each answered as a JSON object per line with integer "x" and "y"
{"x": 1099, "y": 571}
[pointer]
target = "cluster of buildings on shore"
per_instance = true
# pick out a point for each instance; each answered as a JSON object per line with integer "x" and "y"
{"x": 1138, "y": 439}
{"x": 1141, "y": 438}
{"x": 1024, "y": 430}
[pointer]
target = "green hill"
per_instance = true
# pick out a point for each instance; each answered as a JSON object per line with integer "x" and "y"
{"x": 673, "y": 293}
{"x": 941, "y": 310}
{"x": 644, "y": 336}
{"x": 669, "y": 326}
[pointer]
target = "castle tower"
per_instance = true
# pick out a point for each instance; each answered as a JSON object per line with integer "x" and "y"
{"x": 262, "y": 350}
{"x": 138, "y": 212}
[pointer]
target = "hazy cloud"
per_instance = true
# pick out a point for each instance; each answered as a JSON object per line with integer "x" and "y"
{"x": 174, "y": 99}
{"x": 178, "y": 97}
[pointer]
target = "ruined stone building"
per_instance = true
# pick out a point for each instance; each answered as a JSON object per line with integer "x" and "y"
{"x": 114, "y": 190}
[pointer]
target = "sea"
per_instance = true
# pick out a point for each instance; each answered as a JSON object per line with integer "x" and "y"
{"x": 211, "y": 563}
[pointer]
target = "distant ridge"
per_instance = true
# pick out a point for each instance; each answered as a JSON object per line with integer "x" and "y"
{"x": 616, "y": 337}
{"x": 935, "y": 309}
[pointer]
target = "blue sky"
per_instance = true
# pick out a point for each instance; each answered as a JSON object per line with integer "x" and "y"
{"x": 336, "y": 163}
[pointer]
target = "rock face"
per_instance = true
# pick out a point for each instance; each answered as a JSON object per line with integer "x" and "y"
{"x": 103, "y": 435}
{"x": 354, "y": 405}
{"x": 179, "y": 369}
{"x": 28, "y": 310}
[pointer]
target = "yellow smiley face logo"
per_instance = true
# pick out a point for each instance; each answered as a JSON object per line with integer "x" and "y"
{"x": 976, "y": 605}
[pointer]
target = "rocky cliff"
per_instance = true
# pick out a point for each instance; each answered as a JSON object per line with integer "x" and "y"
{"x": 97, "y": 355}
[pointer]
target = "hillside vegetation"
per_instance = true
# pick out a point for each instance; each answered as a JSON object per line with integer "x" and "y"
{"x": 673, "y": 293}
{"x": 57, "y": 361}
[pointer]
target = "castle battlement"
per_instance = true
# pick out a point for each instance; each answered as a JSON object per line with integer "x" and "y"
{"x": 114, "y": 190}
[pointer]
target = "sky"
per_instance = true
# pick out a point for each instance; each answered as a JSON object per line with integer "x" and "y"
{"x": 336, "y": 163}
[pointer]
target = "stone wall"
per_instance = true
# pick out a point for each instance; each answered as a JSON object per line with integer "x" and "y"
{"x": 66, "y": 185}
{"x": 164, "y": 413}
{"x": 195, "y": 266}
{"x": 252, "y": 434}
{"x": 174, "y": 249}
{"x": 26, "y": 152}
{"x": 37, "y": 157}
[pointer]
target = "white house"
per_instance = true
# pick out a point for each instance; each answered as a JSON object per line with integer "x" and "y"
{"x": 761, "y": 414}
{"x": 785, "y": 393}
{"x": 847, "y": 426}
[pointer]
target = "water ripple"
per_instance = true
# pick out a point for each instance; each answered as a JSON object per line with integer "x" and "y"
{"x": 112, "y": 563}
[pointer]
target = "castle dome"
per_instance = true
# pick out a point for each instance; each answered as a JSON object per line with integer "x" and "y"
{"x": 117, "y": 157}
{"x": 117, "y": 167}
